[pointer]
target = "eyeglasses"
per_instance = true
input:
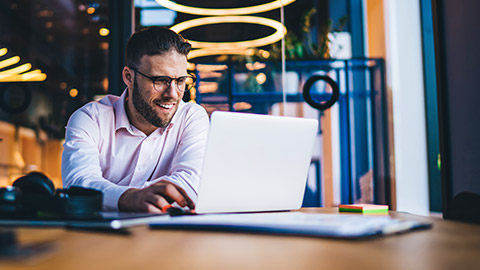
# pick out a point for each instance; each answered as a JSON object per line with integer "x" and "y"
{"x": 162, "y": 83}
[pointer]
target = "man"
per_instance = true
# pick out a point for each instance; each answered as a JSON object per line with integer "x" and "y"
{"x": 144, "y": 149}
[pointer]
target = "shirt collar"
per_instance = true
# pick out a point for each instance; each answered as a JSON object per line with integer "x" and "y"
{"x": 121, "y": 118}
{"x": 176, "y": 116}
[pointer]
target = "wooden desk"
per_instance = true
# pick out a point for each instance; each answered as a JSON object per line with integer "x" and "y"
{"x": 448, "y": 245}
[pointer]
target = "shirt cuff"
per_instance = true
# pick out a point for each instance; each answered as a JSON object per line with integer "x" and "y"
{"x": 111, "y": 196}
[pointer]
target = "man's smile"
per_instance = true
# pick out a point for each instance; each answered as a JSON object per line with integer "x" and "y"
{"x": 166, "y": 105}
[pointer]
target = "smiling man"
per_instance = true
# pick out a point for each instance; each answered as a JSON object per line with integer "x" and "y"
{"x": 144, "y": 149}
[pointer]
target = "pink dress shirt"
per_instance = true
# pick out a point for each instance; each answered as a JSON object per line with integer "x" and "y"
{"x": 102, "y": 150}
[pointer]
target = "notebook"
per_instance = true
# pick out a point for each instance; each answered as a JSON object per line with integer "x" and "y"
{"x": 328, "y": 225}
{"x": 255, "y": 163}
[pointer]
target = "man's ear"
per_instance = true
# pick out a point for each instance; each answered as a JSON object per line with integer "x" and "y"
{"x": 127, "y": 75}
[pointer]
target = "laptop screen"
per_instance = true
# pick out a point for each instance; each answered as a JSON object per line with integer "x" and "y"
{"x": 255, "y": 163}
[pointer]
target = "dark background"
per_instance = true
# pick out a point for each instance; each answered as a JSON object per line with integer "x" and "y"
{"x": 457, "y": 37}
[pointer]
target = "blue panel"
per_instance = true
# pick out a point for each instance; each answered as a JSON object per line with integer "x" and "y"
{"x": 355, "y": 15}
{"x": 433, "y": 143}
{"x": 345, "y": 169}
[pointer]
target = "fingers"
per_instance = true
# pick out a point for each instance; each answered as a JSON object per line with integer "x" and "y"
{"x": 157, "y": 201}
{"x": 189, "y": 202}
{"x": 136, "y": 200}
{"x": 173, "y": 193}
{"x": 154, "y": 198}
{"x": 153, "y": 209}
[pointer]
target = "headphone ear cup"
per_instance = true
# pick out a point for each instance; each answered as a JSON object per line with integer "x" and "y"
{"x": 35, "y": 182}
{"x": 38, "y": 192}
{"x": 39, "y": 196}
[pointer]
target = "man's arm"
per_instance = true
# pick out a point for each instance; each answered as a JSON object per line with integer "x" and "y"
{"x": 81, "y": 159}
{"x": 81, "y": 166}
{"x": 187, "y": 163}
{"x": 185, "y": 170}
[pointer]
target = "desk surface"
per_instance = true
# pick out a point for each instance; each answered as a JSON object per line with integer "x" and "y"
{"x": 448, "y": 245}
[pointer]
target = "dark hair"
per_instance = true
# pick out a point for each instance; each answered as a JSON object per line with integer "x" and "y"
{"x": 154, "y": 40}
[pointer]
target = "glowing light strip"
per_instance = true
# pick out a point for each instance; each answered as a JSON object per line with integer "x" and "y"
{"x": 36, "y": 71}
{"x": 281, "y": 30}
{"x": 224, "y": 11}
{"x": 222, "y": 16}
{"x": 203, "y": 67}
{"x": 209, "y": 74}
{"x": 19, "y": 69}
{"x": 3, "y": 51}
{"x": 15, "y": 74}
{"x": 30, "y": 77}
{"x": 206, "y": 52}
{"x": 207, "y": 87}
{"x": 10, "y": 61}
{"x": 255, "y": 66}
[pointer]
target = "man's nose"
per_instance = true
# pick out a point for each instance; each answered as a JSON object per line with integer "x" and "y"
{"x": 172, "y": 90}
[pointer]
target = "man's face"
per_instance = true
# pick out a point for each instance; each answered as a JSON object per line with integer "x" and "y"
{"x": 158, "y": 108}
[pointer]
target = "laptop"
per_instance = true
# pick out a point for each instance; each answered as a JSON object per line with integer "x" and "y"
{"x": 255, "y": 169}
{"x": 255, "y": 163}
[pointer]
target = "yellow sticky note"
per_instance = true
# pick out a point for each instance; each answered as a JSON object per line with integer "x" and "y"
{"x": 364, "y": 208}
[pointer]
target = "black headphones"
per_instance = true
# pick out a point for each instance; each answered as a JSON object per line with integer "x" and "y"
{"x": 34, "y": 196}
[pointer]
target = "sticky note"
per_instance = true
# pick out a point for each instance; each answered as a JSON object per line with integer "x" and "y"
{"x": 364, "y": 208}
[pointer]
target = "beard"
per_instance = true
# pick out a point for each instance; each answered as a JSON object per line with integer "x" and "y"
{"x": 147, "y": 111}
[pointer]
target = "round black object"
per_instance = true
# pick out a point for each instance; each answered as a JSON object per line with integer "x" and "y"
{"x": 35, "y": 182}
{"x": 15, "y": 98}
{"x": 79, "y": 202}
{"x": 40, "y": 197}
{"x": 308, "y": 98}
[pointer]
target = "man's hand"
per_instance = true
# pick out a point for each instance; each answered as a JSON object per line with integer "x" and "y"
{"x": 153, "y": 198}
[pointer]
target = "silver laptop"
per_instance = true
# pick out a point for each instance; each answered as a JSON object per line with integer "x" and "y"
{"x": 255, "y": 163}
{"x": 259, "y": 163}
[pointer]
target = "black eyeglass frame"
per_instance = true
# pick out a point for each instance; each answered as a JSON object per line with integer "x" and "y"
{"x": 168, "y": 80}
